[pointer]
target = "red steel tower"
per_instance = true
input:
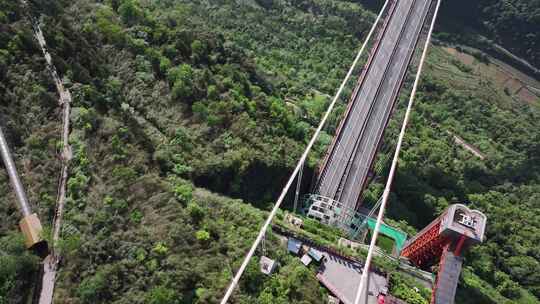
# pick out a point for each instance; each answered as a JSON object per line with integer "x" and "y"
{"x": 443, "y": 241}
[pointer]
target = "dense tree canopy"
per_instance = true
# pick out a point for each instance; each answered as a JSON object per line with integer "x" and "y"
{"x": 515, "y": 24}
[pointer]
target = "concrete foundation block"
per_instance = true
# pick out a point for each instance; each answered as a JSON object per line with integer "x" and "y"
{"x": 32, "y": 229}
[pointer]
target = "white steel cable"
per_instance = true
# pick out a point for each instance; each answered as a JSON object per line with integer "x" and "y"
{"x": 262, "y": 232}
{"x": 14, "y": 179}
{"x": 386, "y": 193}
{"x": 298, "y": 186}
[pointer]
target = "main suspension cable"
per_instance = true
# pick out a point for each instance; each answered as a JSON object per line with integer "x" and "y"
{"x": 386, "y": 193}
{"x": 262, "y": 232}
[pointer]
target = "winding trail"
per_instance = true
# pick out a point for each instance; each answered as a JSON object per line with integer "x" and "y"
{"x": 460, "y": 141}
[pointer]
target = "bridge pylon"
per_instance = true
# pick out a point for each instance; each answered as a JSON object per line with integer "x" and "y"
{"x": 443, "y": 241}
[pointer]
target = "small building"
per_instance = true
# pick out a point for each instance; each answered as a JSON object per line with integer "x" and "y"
{"x": 267, "y": 265}
{"x": 306, "y": 260}
{"x": 315, "y": 254}
{"x": 294, "y": 246}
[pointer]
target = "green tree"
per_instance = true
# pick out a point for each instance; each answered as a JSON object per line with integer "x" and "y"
{"x": 198, "y": 51}
{"x": 181, "y": 78}
{"x": 196, "y": 212}
{"x": 131, "y": 12}
{"x": 94, "y": 289}
{"x": 163, "y": 295}
{"x": 202, "y": 235}
{"x": 183, "y": 192}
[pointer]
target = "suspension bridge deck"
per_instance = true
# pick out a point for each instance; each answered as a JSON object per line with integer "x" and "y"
{"x": 346, "y": 169}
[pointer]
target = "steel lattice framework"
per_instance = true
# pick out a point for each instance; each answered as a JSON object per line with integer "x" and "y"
{"x": 331, "y": 212}
{"x": 442, "y": 241}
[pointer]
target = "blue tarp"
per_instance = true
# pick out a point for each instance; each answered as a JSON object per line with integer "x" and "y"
{"x": 294, "y": 245}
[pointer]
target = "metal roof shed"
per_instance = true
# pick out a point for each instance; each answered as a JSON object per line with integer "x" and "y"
{"x": 267, "y": 265}
{"x": 294, "y": 245}
{"x": 306, "y": 260}
{"x": 315, "y": 254}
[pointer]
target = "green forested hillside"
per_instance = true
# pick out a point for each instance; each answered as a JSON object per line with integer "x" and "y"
{"x": 515, "y": 24}
{"x": 175, "y": 97}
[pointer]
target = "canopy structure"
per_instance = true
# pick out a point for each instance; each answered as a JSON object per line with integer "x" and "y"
{"x": 332, "y": 212}
{"x": 398, "y": 236}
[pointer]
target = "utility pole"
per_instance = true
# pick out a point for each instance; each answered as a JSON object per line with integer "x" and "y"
{"x": 29, "y": 224}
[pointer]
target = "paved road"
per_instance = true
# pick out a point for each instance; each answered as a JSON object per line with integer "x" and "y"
{"x": 48, "y": 280}
{"x": 341, "y": 277}
{"x": 347, "y": 168}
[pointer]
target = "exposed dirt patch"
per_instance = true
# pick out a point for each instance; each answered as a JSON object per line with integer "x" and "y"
{"x": 463, "y": 57}
{"x": 460, "y": 141}
{"x": 503, "y": 75}
{"x": 526, "y": 94}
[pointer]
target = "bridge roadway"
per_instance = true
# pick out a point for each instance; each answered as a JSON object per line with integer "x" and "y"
{"x": 345, "y": 171}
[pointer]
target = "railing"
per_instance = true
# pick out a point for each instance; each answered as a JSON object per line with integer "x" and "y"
{"x": 278, "y": 229}
{"x": 331, "y": 212}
